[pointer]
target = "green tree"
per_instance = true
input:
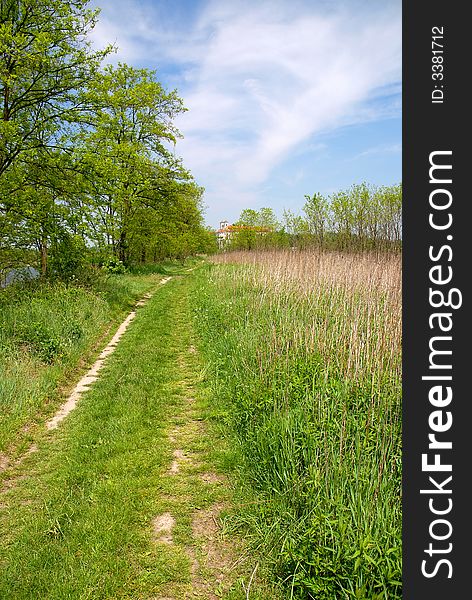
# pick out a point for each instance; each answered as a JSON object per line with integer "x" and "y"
{"x": 87, "y": 155}
{"x": 389, "y": 201}
{"x": 266, "y": 219}
{"x": 297, "y": 229}
{"x": 257, "y": 229}
{"x": 316, "y": 209}
{"x": 128, "y": 149}
{"x": 342, "y": 218}
{"x": 364, "y": 215}
{"x": 41, "y": 206}
{"x": 245, "y": 237}
{"x": 45, "y": 63}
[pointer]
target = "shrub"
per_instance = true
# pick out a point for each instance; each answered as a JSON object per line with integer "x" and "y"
{"x": 113, "y": 266}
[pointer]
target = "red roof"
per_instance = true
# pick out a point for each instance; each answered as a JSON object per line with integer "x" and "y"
{"x": 231, "y": 228}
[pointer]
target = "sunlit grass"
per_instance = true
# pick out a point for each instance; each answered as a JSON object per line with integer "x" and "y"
{"x": 46, "y": 330}
{"x": 77, "y": 515}
{"x": 305, "y": 350}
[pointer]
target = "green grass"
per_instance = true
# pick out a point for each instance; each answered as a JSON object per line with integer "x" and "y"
{"x": 77, "y": 537}
{"x": 316, "y": 435}
{"x": 298, "y": 383}
{"x": 76, "y": 520}
{"x": 45, "y": 331}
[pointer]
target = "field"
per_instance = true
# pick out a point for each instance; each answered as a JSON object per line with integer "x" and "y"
{"x": 304, "y": 353}
{"x": 253, "y": 406}
{"x": 186, "y": 409}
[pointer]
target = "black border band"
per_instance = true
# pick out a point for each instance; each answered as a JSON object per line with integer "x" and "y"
{"x": 437, "y": 421}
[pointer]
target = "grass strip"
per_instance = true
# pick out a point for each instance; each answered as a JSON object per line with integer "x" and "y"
{"x": 77, "y": 520}
{"x": 83, "y": 503}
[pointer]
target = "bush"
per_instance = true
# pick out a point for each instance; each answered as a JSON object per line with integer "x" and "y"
{"x": 40, "y": 340}
{"x": 67, "y": 257}
{"x": 113, "y": 266}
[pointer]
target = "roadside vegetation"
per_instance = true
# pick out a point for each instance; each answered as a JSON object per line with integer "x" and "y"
{"x": 304, "y": 351}
{"x": 49, "y": 331}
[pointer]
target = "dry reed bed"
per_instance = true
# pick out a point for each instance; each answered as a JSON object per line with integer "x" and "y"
{"x": 352, "y": 304}
{"x": 305, "y": 356}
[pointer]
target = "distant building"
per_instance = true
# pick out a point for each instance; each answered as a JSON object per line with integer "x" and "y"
{"x": 223, "y": 234}
{"x": 226, "y": 231}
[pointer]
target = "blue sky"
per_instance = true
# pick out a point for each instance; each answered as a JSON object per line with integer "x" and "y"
{"x": 285, "y": 97}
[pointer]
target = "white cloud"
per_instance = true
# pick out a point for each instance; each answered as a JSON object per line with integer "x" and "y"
{"x": 260, "y": 79}
{"x": 385, "y": 149}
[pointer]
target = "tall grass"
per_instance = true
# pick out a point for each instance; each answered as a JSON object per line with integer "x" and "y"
{"x": 305, "y": 355}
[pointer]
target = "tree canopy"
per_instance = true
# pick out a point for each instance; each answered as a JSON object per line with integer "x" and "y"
{"x": 87, "y": 150}
{"x": 363, "y": 217}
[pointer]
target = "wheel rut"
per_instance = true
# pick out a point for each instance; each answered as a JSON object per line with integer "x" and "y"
{"x": 209, "y": 555}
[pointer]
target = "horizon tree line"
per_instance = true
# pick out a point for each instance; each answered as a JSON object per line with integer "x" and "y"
{"x": 363, "y": 217}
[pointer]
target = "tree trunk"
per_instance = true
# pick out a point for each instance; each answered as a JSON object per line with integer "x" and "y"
{"x": 44, "y": 255}
{"x": 122, "y": 247}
